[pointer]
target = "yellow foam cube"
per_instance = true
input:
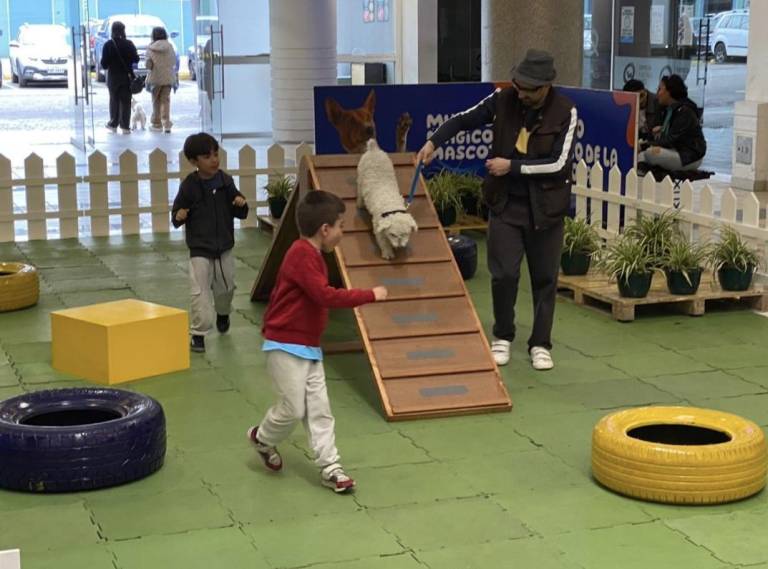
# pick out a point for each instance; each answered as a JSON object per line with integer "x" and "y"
{"x": 119, "y": 341}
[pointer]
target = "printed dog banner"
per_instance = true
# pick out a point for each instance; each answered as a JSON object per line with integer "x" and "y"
{"x": 403, "y": 116}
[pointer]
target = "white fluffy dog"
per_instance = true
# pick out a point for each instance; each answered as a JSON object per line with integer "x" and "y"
{"x": 138, "y": 116}
{"x": 378, "y": 192}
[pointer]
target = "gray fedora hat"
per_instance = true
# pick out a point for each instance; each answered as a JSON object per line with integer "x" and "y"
{"x": 536, "y": 69}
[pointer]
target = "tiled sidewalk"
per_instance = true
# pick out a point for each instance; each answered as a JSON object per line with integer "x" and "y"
{"x": 490, "y": 491}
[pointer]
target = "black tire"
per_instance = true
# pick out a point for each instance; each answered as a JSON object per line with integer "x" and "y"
{"x": 100, "y": 76}
{"x": 22, "y": 80}
{"x": 721, "y": 55}
{"x": 14, "y": 75}
{"x": 67, "y": 440}
{"x": 191, "y": 67}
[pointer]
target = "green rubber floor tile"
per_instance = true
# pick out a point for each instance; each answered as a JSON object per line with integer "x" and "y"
{"x": 725, "y": 536}
{"x": 76, "y": 285}
{"x": 70, "y": 557}
{"x": 38, "y": 373}
{"x": 324, "y": 539}
{"x": 522, "y": 553}
{"x": 405, "y": 560}
{"x": 10, "y": 391}
{"x": 567, "y": 509}
{"x": 449, "y": 439}
{"x": 295, "y": 493}
{"x": 185, "y": 411}
{"x": 713, "y": 383}
{"x": 757, "y": 375}
{"x": 29, "y": 352}
{"x": 617, "y": 393}
{"x": 236, "y": 465}
{"x": 538, "y": 400}
{"x": 579, "y": 370}
{"x": 75, "y": 299}
{"x": 8, "y": 377}
{"x": 747, "y": 355}
{"x": 658, "y": 362}
{"x": 226, "y": 548}
{"x": 634, "y": 547}
{"x": 519, "y": 475}
{"x": 450, "y": 522}
{"x": 391, "y": 449}
{"x": 138, "y": 515}
{"x": 48, "y": 528}
{"x": 194, "y": 382}
{"x": 604, "y": 341}
{"x": 195, "y": 435}
{"x": 752, "y": 407}
{"x": 92, "y": 271}
{"x": 410, "y": 484}
{"x": 755, "y": 504}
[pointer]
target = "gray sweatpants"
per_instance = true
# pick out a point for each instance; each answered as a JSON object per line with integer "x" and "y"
{"x": 666, "y": 158}
{"x": 212, "y": 285}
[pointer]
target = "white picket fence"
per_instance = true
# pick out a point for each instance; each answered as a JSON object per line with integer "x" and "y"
{"x": 100, "y": 203}
{"x": 696, "y": 211}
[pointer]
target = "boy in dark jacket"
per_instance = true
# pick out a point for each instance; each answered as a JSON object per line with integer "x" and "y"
{"x": 207, "y": 204}
{"x": 293, "y": 323}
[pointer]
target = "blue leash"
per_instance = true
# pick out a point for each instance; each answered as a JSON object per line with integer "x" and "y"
{"x": 414, "y": 182}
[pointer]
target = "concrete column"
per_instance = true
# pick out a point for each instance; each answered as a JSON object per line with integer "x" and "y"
{"x": 303, "y": 54}
{"x": 750, "y": 118}
{"x": 511, "y": 27}
{"x": 418, "y": 41}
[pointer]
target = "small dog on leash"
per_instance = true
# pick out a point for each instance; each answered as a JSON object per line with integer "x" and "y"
{"x": 378, "y": 192}
{"x": 138, "y": 116}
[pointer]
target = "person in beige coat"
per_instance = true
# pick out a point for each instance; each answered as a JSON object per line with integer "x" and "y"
{"x": 161, "y": 62}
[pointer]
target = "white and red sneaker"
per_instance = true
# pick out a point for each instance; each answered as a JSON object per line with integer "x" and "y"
{"x": 272, "y": 459}
{"x": 337, "y": 480}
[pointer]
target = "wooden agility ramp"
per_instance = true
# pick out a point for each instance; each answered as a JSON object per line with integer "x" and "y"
{"x": 427, "y": 348}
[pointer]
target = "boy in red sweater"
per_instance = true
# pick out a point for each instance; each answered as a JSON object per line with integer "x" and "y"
{"x": 293, "y": 323}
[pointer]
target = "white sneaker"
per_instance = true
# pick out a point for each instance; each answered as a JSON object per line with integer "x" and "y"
{"x": 154, "y": 128}
{"x": 125, "y": 130}
{"x": 500, "y": 351}
{"x": 110, "y": 128}
{"x": 541, "y": 359}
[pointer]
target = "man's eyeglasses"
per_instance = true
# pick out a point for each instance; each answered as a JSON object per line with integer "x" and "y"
{"x": 522, "y": 89}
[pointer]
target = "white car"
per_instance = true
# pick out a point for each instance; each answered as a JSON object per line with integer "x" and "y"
{"x": 730, "y": 37}
{"x": 41, "y": 53}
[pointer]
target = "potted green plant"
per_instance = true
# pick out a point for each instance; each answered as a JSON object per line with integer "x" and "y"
{"x": 471, "y": 195}
{"x": 683, "y": 265}
{"x": 733, "y": 260}
{"x": 629, "y": 261}
{"x": 444, "y": 191}
{"x": 656, "y": 233}
{"x": 580, "y": 242}
{"x": 278, "y": 189}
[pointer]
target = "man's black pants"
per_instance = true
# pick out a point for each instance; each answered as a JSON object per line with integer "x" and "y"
{"x": 506, "y": 245}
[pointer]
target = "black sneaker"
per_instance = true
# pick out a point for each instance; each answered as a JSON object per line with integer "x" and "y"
{"x": 222, "y": 323}
{"x": 197, "y": 344}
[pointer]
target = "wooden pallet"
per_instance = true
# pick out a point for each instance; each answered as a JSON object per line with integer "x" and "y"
{"x": 597, "y": 290}
{"x": 426, "y": 346}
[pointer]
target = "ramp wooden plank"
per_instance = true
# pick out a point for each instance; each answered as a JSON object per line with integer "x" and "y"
{"x": 403, "y": 282}
{"x": 408, "y": 318}
{"x": 343, "y": 181}
{"x": 436, "y": 394}
{"x": 359, "y": 249}
{"x": 360, "y": 220}
{"x": 431, "y": 355}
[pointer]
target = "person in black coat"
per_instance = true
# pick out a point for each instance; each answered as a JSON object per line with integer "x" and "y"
{"x": 678, "y": 142}
{"x": 118, "y": 57}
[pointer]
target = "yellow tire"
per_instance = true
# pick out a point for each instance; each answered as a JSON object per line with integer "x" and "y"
{"x": 679, "y": 455}
{"x": 19, "y": 286}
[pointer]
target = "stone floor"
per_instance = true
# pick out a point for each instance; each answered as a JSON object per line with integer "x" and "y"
{"x": 489, "y": 491}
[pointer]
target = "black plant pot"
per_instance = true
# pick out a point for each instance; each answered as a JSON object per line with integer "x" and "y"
{"x": 447, "y": 215}
{"x": 575, "y": 264}
{"x": 732, "y": 278}
{"x": 636, "y": 286}
{"x": 276, "y": 207}
{"x": 465, "y": 252}
{"x": 470, "y": 204}
{"x": 678, "y": 284}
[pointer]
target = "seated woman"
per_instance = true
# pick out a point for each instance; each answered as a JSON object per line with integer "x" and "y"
{"x": 678, "y": 143}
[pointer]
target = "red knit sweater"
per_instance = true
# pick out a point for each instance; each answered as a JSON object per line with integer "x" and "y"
{"x": 299, "y": 303}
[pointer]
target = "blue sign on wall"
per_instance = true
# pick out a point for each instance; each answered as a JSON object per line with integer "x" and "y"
{"x": 607, "y": 130}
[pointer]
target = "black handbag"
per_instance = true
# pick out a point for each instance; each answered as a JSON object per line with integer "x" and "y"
{"x": 137, "y": 81}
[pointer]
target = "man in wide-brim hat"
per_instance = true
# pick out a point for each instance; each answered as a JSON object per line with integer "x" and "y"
{"x": 527, "y": 190}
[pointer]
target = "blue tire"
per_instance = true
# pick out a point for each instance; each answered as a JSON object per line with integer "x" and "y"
{"x": 68, "y": 440}
{"x": 465, "y": 252}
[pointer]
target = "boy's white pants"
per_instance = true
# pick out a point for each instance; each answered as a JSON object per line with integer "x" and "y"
{"x": 302, "y": 396}
{"x": 212, "y": 284}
